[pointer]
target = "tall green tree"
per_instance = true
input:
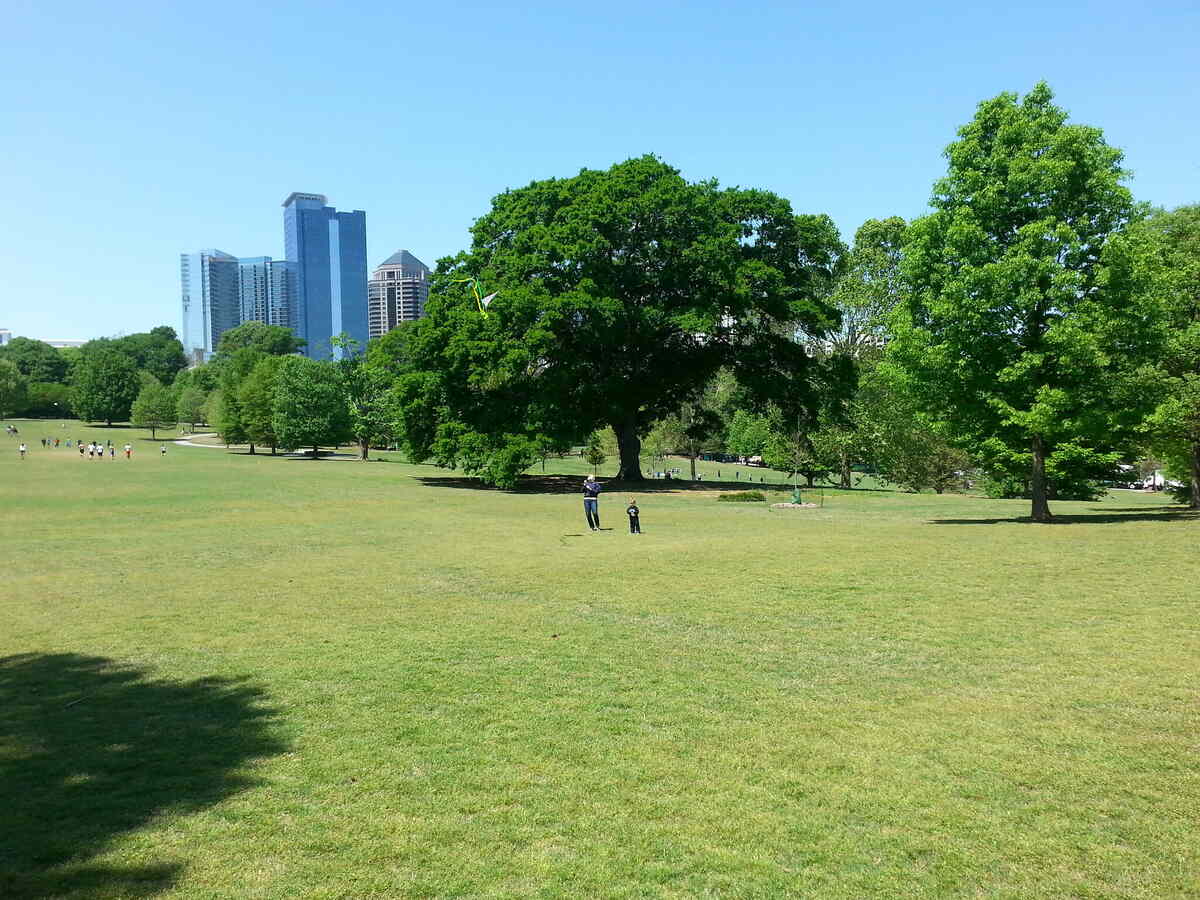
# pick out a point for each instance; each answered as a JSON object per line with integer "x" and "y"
{"x": 105, "y": 383}
{"x": 230, "y": 423}
{"x": 1174, "y": 427}
{"x": 154, "y": 407}
{"x": 310, "y": 405}
{"x": 37, "y": 360}
{"x": 190, "y": 405}
{"x": 13, "y": 388}
{"x": 256, "y": 402}
{"x": 621, "y": 293}
{"x": 1026, "y": 313}
{"x": 273, "y": 340}
{"x": 366, "y": 380}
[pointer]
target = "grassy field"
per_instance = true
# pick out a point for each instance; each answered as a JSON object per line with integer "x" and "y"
{"x": 225, "y": 676}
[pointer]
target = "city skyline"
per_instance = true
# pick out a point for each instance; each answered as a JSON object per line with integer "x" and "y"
{"x": 844, "y": 113}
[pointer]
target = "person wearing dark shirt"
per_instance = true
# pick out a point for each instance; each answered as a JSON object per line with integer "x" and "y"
{"x": 635, "y": 525}
{"x": 591, "y": 502}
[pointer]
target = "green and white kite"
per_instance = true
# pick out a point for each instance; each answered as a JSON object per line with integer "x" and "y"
{"x": 480, "y": 301}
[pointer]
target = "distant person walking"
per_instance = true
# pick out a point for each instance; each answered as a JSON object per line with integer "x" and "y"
{"x": 591, "y": 502}
{"x": 635, "y": 522}
{"x": 128, "y": 450}
{"x": 112, "y": 450}
{"x": 22, "y": 449}
{"x": 163, "y": 451}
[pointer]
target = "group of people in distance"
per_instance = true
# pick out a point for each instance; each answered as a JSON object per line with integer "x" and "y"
{"x": 591, "y": 507}
{"x": 92, "y": 449}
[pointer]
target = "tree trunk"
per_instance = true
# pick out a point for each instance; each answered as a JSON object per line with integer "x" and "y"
{"x": 1195, "y": 502}
{"x": 846, "y": 471}
{"x": 1037, "y": 482}
{"x": 272, "y": 449}
{"x": 812, "y": 479}
{"x": 153, "y": 436}
{"x": 629, "y": 445}
{"x": 693, "y": 468}
{"x": 251, "y": 449}
{"x": 364, "y": 448}
{"x": 316, "y": 454}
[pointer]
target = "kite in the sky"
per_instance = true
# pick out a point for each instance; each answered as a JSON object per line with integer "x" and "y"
{"x": 482, "y": 302}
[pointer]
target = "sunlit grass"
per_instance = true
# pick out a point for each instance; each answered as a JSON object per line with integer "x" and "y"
{"x": 362, "y": 683}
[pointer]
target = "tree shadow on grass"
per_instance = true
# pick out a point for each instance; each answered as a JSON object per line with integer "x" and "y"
{"x": 91, "y": 749}
{"x": 1106, "y": 518}
{"x": 573, "y": 484}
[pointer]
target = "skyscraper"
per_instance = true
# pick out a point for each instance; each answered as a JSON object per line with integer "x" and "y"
{"x": 267, "y": 290}
{"x": 211, "y": 299}
{"x": 329, "y": 250}
{"x": 221, "y": 291}
{"x": 396, "y": 293}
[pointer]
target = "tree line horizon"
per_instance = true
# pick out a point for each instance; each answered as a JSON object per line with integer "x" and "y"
{"x": 1038, "y": 325}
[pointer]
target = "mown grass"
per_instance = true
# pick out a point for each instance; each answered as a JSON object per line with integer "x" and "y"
{"x": 224, "y": 676}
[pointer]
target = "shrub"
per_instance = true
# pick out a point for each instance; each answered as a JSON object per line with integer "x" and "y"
{"x": 743, "y": 497}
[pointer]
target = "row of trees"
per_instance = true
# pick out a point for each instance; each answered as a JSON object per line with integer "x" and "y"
{"x": 1038, "y": 323}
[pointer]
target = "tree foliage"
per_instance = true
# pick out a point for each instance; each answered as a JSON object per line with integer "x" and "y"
{"x": 1028, "y": 309}
{"x": 36, "y": 360}
{"x": 105, "y": 383}
{"x": 13, "y": 388}
{"x": 273, "y": 340}
{"x": 157, "y": 351}
{"x": 310, "y": 405}
{"x": 621, "y": 293}
{"x": 256, "y": 401}
{"x": 154, "y": 406}
{"x": 1174, "y": 427}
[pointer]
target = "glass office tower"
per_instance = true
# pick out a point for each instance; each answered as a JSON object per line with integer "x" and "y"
{"x": 329, "y": 250}
{"x": 211, "y": 299}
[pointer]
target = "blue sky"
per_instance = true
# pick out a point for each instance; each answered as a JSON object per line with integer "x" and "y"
{"x": 131, "y": 132}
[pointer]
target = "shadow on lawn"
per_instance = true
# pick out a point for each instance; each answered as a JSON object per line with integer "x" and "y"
{"x": 1107, "y": 517}
{"x": 91, "y": 750}
{"x": 573, "y": 484}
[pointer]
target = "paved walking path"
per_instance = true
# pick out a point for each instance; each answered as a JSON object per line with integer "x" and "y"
{"x": 188, "y": 442}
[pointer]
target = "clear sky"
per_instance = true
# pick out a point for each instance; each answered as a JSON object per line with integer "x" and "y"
{"x": 131, "y": 132}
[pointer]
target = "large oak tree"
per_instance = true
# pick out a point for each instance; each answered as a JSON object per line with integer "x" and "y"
{"x": 621, "y": 293}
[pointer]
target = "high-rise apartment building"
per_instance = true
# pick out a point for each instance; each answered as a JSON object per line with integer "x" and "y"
{"x": 396, "y": 293}
{"x": 221, "y": 291}
{"x": 267, "y": 290}
{"x": 329, "y": 250}
{"x": 211, "y": 299}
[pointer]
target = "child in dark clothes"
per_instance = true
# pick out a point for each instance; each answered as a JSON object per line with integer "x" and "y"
{"x": 635, "y": 525}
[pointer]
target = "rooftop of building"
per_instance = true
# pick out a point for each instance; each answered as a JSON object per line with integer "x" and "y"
{"x": 302, "y": 195}
{"x": 405, "y": 259}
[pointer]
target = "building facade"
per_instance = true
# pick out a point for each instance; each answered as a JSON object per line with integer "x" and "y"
{"x": 267, "y": 290}
{"x": 221, "y": 291}
{"x": 396, "y": 293}
{"x": 329, "y": 251}
{"x": 211, "y": 288}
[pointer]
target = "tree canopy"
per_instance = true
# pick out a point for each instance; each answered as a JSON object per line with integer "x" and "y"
{"x": 36, "y": 360}
{"x": 105, "y": 383}
{"x": 154, "y": 407}
{"x": 157, "y": 351}
{"x": 1026, "y": 311}
{"x": 621, "y": 292}
{"x": 13, "y": 387}
{"x": 310, "y": 405}
{"x": 273, "y": 340}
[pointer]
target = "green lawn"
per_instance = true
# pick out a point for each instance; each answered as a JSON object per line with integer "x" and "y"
{"x": 225, "y": 676}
